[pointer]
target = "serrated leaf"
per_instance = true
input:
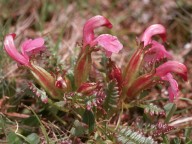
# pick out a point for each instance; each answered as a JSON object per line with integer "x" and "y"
{"x": 128, "y": 136}
{"x": 112, "y": 97}
{"x": 152, "y": 109}
{"x": 89, "y": 119}
{"x": 170, "y": 109}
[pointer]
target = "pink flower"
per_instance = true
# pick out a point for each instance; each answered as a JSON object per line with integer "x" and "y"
{"x": 110, "y": 43}
{"x": 134, "y": 83}
{"x": 155, "y": 29}
{"x": 156, "y": 52}
{"x": 28, "y": 48}
{"x": 11, "y": 50}
{"x": 173, "y": 86}
{"x": 164, "y": 72}
{"x": 172, "y": 66}
{"x": 90, "y": 25}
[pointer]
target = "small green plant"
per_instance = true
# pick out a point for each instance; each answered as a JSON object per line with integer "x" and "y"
{"x": 91, "y": 102}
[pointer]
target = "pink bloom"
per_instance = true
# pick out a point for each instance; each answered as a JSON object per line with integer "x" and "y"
{"x": 155, "y": 29}
{"x": 11, "y": 50}
{"x": 110, "y": 43}
{"x": 90, "y": 25}
{"x": 173, "y": 86}
{"x": 172, "y": 66}
{"x": 156, "y": 52}
{"x": 164, "y": 72}
{"x": 31, "y": 47}
{"x": 27, "y": 48}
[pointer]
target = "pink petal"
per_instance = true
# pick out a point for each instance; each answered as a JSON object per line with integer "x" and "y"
{"x": 90, "y": 25}
{"x": 156, "y": 52}
{"x": 108, "y": 53}
{"x": 173, "y": 87}
{"x": 172, "y": 66}
{"x": 11, "y": 50}
{"x": 110, "y": 43}
{"x": 155, "y": 29}
{"x": 30, "y": 47}
{"x": 24, "y": 45}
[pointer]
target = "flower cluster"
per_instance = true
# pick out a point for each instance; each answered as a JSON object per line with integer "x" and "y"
{"x": 151, "y": 52}
{"x": 97, "y": 98}
{"x": 130, "y": 81}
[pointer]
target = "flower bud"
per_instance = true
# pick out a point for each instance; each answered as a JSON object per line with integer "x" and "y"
{"x": 116, "y": 74}
{"x": 60, "y": 83}
{"x": 87, "y": 88}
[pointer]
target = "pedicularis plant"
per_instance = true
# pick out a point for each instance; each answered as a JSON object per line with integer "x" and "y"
{"x": 99, "y": 100}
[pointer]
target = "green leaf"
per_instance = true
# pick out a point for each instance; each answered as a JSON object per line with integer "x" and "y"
{"x": 112, "y": 98}
{"x": 33, "y": 138}
{"x": 152, "y": 109}
{"x": 12, "y": 138}
{"x": 89, "y": 119}
{"x": 144, "y": 94}
{"x": 31, "y": 121}
{"x": 170, "y": 109}
{"x": 188, "y": 132}
{"x": 176, "y": 140}
{"x": 56, "y": 107}
{"x": 165, "y": 139}
{"x": 78, "y": 129}
{"x": 70, "y": 76}
{"x": 128, "y": 136}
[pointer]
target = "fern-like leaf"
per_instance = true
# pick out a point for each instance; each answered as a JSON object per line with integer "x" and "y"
{"x": 153, "y": 109}
{"x": 112, "y": 95}
{"x": 38, "y": 92}
{"x": 128, "y": 136}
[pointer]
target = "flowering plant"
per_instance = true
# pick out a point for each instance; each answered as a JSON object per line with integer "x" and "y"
{"x": 97, "y": 101}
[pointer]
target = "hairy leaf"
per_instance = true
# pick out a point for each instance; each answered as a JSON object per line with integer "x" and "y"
{"x": 112, "y": 97}
{"x": 153, "y": 109}
{"x": 127, "y": 135}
